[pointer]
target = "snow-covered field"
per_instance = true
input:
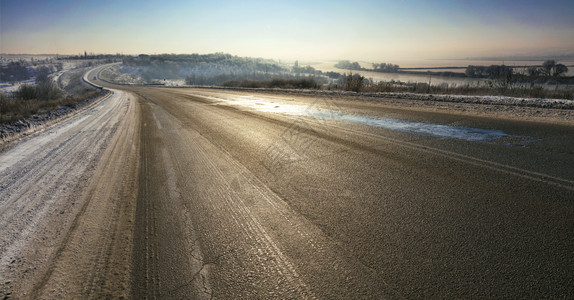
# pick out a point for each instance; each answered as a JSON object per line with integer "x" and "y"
{"x": 67, "y": 66}
{"x": 13, "y": 87}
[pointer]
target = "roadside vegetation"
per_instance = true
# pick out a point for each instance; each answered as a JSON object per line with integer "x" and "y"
{"x": 548, "y": 71}
{"x": 282, "y": 83}
{"x": 545, "y": 81}
{"x": 196, "y": 69}
{"x": 498, "y": 87}
{"x": 42, "y": 88}
{"x": 217, "y": 69}
{"x": 220, "y": 69}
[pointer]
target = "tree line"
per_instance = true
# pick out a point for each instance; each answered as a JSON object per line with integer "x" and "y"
{"x": 14, "y": 71}
{"x": 377, "y": 67}
{"x": 308, "y": 70}
{"x": 549, "y": 68}
{"x": 172, "y": 66}
{"x": 20, "y": 71}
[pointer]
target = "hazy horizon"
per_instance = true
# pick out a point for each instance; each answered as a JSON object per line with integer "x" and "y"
{"x": 298, "y": 30}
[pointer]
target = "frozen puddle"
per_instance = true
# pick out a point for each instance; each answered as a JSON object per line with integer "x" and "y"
{"x": 436, "y": 130}
{"x": 266, "y": 106}
{"x": 426, "y": 129}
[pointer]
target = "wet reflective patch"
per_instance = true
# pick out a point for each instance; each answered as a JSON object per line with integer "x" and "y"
{"x": 438, "y": 130}
{"x": 419, "y": 128}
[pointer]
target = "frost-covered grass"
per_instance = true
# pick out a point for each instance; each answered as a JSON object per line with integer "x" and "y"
{"x": 493, "y": 89}
{"x": 479, "y": 99}
{"x": 120, "y": 75}
{"x": 13, "y": 107}
{"x": 497, "y": 92}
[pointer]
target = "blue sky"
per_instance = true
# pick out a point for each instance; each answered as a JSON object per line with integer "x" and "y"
{"x": 369, "y": 30}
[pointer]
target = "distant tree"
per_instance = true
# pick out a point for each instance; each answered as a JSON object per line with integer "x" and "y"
{"x": 345, "y": 64}
{"x": 533, "y": 71}
{"x": 385, "y": 67}
{"x": 547, "y": 67}
{"x": 471, "y": 71}
{"x": 492, "y": 72}
{"x": 502, "y": 77}
{"x": 552, "y": 69}
{"x": 42, "y": 74}
{"x": 296, "y": 68}
{"x": 14, "y": 71}
{"x": 559, "y": 70}
{"x": 499, "y": 71}
{"x": 333, "y": 75}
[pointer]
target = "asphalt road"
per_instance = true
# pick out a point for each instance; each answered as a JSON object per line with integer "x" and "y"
{"x": 248, "y": 195}
{"x": 243, "y": 194}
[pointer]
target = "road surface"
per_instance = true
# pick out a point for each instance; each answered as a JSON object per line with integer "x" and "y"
{"x": 196, "y": 193}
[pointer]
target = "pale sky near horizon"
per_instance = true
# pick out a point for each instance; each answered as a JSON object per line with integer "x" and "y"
{"x": 305, "y": 30}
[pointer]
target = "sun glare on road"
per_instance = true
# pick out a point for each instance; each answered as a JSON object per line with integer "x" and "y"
{"x": 418, "y": 128}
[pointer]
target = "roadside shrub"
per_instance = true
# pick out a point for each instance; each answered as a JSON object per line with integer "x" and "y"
{"x": 304, "y": 83}
{"x": 44, "y": 97}
{"x": 284, "y": 83}
{"x": 3, "y": 106}
{"x": 42, "y": 74}
{"x": 26, "y": 92}
{"x": 48, "y": 91}
{"x": 354, "y": 82}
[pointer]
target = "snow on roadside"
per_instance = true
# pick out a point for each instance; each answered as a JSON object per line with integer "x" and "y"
{"x": 503, "y": 100}
{"x": 10, "y": 132}
{"x": 6, "y": 87}
{"x": 485, "y": 99}
{"x": 41, "y": 183}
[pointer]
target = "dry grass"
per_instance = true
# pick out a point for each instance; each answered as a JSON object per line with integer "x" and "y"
{"x": 282, "y": 83}
{"x": 493, "y": 89}
{"x": 14, "y": 107}
{"x": 12, "y": 110}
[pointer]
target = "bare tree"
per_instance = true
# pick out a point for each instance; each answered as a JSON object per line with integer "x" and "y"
{"x": 559, "y": 70}
{"x": 552, "y": 69}
{"x": 547, "y": 67}
{"x": 42, "y": 74}
{"x": 533, "y": 71}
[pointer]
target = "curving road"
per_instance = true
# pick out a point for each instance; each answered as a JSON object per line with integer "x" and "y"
{"x": 201, "y": 193}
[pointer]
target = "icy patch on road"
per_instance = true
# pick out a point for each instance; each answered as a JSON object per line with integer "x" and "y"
{"x": 264, "y": 105}
{"x": 435, "y": 130}
{"x": 418, "y": 128}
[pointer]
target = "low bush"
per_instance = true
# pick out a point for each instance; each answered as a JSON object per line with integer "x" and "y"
{"x": 44, "y": 97}
{"x": 302, "y": 83}
{"x": 26, "y": 92}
